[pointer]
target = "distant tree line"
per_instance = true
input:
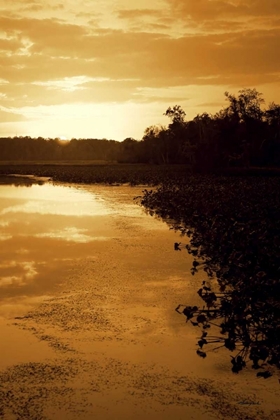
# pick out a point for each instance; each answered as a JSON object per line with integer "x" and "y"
{"x": 40, "y": 149}
{"x": 240, "y": 135}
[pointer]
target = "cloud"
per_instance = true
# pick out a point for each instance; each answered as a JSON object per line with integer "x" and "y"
{"x": 41, "y": 30}
{"x": 10, "y": 45}
{"x": 114, "y": 52}
{"x": 223, "y": 26}
{"x": 26, "y": 2}
{"x": 138, "y": 13}
{"x": 205, "y": 9}
{"x": 149, "y": 20}
{"x": 213, "y": 9}
{"x": 67, "y": 90}
{"x": 111, "y": 66}
{"x": 6, "y": 116}
{"x": 119, "y": 54}
{"x": 32, "y": 8}
{"x": 224, "y": 15}
{"x": 5, "y": 236}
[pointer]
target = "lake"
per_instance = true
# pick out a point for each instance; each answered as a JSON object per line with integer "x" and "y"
{"x": 89, "y": 284}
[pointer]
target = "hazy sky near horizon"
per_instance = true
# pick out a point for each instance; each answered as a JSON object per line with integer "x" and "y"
{"x": 110, "y": 68}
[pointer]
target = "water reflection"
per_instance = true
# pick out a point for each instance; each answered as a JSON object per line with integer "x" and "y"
{"x": 44, "y": 231}
{"x": 22, "y": 180}
{"x": 70, "y": 234}
{"x": 48, "y": 199}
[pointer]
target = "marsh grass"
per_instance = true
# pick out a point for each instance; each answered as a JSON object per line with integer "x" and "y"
{"x": 101, "y": 173}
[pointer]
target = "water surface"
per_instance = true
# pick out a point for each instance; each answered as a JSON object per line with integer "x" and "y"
{"x": 88, "y": 288}
{"x": 44, "y": 231}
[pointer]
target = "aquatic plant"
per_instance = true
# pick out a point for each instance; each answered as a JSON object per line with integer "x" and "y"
{"x": 111, "y": 174}
{"x": 233, "y": 226}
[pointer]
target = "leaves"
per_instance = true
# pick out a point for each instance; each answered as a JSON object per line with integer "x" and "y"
{"x": 235, "y": 231}
{"x": 202, "y": 342}
{"x": 266, "y": 374}
{"x": 238, "y": 363}
{"x": 201, "y": 319}
{"x": 230, "y": 344}
{"x": 201, "y": 353}
{"x": 189, "y": 311}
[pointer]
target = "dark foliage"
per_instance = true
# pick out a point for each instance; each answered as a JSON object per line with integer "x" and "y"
{"x": 135, "y": 174}
{"x": 234, "y": 228}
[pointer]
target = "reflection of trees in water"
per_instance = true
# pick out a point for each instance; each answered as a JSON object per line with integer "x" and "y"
{"x": 245, "y": 322}
{"x": 234, "y": 229}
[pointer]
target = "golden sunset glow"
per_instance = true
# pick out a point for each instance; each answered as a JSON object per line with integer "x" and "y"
{"x": 109, "y": 69}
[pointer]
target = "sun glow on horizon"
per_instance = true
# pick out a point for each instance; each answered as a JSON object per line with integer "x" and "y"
{"x": 111, "y": 69}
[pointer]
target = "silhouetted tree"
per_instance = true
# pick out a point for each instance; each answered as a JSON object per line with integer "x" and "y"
{"x": 241, "y": 134}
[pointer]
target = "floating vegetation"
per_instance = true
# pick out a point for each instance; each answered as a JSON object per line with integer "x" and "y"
{"x": 233, "y": 225}
{"x": 111, "y": 174}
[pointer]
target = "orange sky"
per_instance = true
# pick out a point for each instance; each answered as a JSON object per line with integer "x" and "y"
{"x": 110, "y": 68}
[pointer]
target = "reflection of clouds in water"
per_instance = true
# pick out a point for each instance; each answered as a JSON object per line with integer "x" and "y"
{"x": 71, "y": 234}
{"x": 47, "y": 192}
{"x": 8, "y": 265}
{"x": 59, "y": 208}
{"x": 50, "y": 199}
{"x": 5, "y": 236}
{"x": 22, "y": 251}
{"x": 11, "y": 280}
{"x": 29, "y": 268}
{"x": 27, "y": 272}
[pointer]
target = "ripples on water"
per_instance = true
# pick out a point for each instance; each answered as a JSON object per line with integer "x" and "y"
{"x": 44, "y": 229}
